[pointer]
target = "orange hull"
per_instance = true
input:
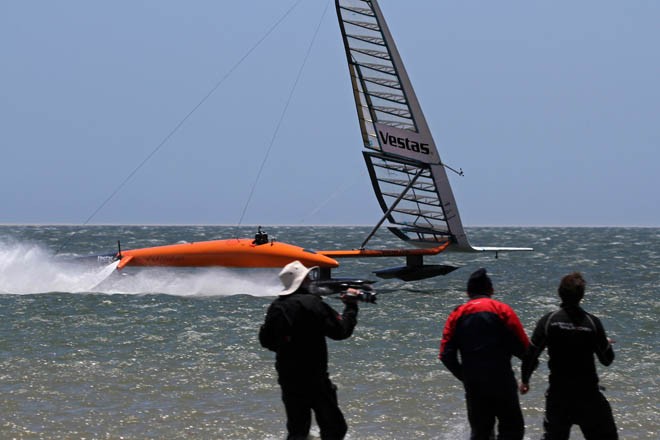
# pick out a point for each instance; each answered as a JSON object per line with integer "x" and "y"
{"x": 227, "y": 253}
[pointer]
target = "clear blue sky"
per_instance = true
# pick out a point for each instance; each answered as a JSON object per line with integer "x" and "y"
{"x": 552, "y": 109}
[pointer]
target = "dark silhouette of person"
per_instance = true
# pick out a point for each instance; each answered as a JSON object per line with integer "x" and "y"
{"x": 572, "y": 337}
{"x": 296, "y": 326}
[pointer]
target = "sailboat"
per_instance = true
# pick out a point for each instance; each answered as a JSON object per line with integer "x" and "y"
{"x": 407, "y": 174}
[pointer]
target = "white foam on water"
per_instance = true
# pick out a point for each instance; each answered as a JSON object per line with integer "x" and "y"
{"x": 27, "y": 268}
{"x": 192, "y": 282}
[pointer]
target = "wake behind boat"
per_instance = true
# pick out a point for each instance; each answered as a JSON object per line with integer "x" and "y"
{"x": 407, "y": 174}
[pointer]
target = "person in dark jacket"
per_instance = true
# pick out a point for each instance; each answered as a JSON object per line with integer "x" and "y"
{"x": 295, "y": 328}
{"x": 486, "y": 333}
{"x": 572, "y": 336}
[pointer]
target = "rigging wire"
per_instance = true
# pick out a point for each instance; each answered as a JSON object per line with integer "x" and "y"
{"x": 187, "y": 116}
{"x": 347, "y": 185}
{"x": 282, "y": 115}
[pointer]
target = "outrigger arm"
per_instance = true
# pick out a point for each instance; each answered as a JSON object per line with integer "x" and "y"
{"x": 415, "y": 269}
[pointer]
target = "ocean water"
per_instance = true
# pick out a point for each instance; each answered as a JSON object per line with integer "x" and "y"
{"x": 90, "y": 353}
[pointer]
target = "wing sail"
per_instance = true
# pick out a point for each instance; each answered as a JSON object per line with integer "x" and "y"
{"x": 406, "y": 171}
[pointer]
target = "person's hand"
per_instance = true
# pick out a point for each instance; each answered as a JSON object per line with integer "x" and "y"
{"x": 350, "y": 296}
{"x": 524, "y": 388}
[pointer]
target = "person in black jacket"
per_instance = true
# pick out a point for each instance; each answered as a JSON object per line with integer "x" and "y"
{"x": 295, "y": 328}
{"x": 486, "y": 333}
{"x": 572, "y": 336}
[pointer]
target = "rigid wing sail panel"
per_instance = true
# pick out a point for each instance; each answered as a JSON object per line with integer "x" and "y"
{"x": 405, "y": 167}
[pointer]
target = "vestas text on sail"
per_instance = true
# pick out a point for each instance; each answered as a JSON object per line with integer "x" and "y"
{"x": 406, "y": 143}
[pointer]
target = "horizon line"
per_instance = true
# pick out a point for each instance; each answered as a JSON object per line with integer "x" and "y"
{"x": 255, "y": 225}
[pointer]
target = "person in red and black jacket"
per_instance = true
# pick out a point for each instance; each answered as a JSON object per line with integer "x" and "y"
{"x": 486, "y": 333}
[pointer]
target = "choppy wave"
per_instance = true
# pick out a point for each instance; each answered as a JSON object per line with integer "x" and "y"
{"x": 173, "y": 353}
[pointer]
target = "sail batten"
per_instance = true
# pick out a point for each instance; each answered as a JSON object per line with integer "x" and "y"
{"x": 379, "y": 68}
{"x": 383, "y": 82}
{"x": 428, "y": 187}
{"x": 372, "y": 53}
{"x": 422, "y": 199}
{"x": 394, "y": 111}
{"x": 361, "y": 11}
{"x": 403, "y": 168}
{"x": 364, "y": 24}
{"x": 373, "y": 40}
{"x": 392, "y": 97}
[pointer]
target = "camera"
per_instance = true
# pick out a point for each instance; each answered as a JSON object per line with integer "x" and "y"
{"x": 359, "y": 295}
{"x": 348, "y": 290}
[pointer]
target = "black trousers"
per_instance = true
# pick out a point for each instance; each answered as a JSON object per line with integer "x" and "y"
{"x": 301, "y": 398}
{"x": 589, "y": 410}
{"x": 487, "y": 405}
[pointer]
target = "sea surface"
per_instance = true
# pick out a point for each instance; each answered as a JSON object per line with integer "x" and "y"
{"x": 90, "y": 353}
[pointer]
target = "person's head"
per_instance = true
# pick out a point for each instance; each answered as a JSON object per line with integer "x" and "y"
{"x": 293, "y": 276}
{"x": 571, "y": 288}
{"x": 479, "y": 284}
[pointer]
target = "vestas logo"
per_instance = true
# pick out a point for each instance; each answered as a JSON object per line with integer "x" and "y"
{"x": 406, "y": 143}
{"x": 403, "y": 143}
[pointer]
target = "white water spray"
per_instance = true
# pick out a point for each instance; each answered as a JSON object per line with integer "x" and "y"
{"x": 192, "y": 282}
{"x": 27, "y": 268}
